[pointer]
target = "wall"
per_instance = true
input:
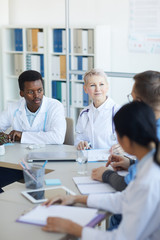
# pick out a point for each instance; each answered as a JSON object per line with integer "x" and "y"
{"x": 90, "y": 12}
{"x": 4, "y": 20}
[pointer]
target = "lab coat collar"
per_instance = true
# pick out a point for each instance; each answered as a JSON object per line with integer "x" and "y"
{"x": 23, "y": 115}
{"x": 143, "y": 161}
{"x": 107, "y": 104}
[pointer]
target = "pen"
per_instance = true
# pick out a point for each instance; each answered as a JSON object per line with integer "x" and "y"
{"x": 22, "y": 165}
{"x": 89, "y": 145}
{"x": 25, "y": 164}
{"x": 44, "y": 164}
{"x": 27, "y": 172}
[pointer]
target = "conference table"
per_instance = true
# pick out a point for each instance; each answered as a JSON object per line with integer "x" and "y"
{"x": 13, "y": 204}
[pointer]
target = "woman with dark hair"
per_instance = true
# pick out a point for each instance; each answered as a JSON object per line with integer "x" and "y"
{"x": 139, "y": 204}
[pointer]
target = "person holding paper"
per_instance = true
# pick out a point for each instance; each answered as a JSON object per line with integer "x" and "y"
{"x": 136, "y": 131}
{"x": 95, "y": 127}
{"x": 147, "y": 89}
{"x": 34, "y": 119}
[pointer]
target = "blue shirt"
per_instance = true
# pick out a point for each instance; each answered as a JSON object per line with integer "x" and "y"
{"x": 133, "y": 168}
{"x": 31, "y": 115}
{"x": 158, "y": 128}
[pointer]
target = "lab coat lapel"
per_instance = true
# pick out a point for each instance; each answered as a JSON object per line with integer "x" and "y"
{"x": 90, "y": 117}
{"x": 41, "y": 114}
{"x": 22, "y": 116}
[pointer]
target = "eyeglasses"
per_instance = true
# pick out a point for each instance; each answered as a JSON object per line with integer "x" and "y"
{"x": 130, "y": 98}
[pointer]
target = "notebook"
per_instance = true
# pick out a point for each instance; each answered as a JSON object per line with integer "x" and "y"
{"x": 83, "y": 216}
{"x": 86, "y": 186}
{"x": 51, "y": 156}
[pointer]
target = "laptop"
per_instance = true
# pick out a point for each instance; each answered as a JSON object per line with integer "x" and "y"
{"x": 51, "y": 156}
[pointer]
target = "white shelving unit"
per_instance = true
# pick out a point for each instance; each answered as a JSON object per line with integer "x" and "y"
{"x": 89, "y": 47}
{"x": 14, "y": 58}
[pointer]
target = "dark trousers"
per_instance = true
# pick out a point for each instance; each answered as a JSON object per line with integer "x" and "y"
{"x": 114, "y": 221}
{"x": 8, "y": 176}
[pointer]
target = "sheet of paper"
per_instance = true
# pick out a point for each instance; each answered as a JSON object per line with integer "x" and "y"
{"x": 40, "y": 214}
{"x": 95, "y": 155}
{"x": 85, "y": 180}
{"x": 95, "y": 188}
{"x": 86, "y": 185}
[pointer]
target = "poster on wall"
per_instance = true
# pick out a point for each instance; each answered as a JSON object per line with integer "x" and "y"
{"x": 144, "y": 26}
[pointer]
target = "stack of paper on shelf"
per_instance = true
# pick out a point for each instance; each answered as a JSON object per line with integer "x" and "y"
{"x": 59, "y": 91}
{"x": 18, "y": 64}
{"x": 35, "y": 40}
{"x": 35, "y": 62}
{"x": 18, "y": 38}
{"x": 83, "y": 41}
{"x": 59, "y": 40}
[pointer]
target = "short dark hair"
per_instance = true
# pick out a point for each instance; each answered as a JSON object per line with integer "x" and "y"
{"x": 29, "y": 76}
{"x": 136, "y": 120}
{"x": 147, "y": 88}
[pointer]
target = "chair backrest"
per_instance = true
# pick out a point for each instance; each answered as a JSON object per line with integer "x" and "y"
{"x": 69, "y": 138}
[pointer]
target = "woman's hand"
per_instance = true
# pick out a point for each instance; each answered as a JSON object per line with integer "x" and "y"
{"x": 118, "y": 162}
{"x": 116, "y": 149}
{"x": 67, "y": 200}
{"x": 83, "y": 145}
{"x": 61, "y": 225}
{"x": 97, "y": 173}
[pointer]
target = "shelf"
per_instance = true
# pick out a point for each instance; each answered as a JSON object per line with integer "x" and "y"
{"x": 89, "y": 48}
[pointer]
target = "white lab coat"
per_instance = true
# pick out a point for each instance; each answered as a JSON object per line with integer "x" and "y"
{"x": 139, "y": 204}
{"x": 95, "y": 125}
{"x": 49, "y": 126}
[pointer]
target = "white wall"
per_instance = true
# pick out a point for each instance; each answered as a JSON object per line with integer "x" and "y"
{"x": 4, "y": 20}
{"x": 90, "y": 12}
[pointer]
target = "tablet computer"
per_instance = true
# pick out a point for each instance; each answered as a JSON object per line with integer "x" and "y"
{"x": 43, "y": 194}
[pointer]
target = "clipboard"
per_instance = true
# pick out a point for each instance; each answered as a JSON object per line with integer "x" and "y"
{"x": 83, "y": 216}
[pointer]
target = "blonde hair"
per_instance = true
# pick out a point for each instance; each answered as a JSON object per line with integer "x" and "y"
{"x": 94, "y": 72}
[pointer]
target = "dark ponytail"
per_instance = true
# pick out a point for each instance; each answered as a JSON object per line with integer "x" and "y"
{"x": 136, "y": 120}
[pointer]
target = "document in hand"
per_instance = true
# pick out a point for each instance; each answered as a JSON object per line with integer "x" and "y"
{"x": 80, "y": 215}
{"x": 88, "y": 186}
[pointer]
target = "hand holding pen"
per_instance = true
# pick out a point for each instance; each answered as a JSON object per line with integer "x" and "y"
{"x": 84, "y": 145}
{"x": 118, "y": 162}
{"x": 116, "y": 149}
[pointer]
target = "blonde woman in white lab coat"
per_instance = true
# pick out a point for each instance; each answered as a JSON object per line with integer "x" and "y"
{"x": 95, "y": 127}
{"x": 139, "y": 203}
{"x": 34, "y": 119}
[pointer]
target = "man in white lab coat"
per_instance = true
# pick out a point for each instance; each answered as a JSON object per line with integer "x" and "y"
{"x": 34, "y": 118}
